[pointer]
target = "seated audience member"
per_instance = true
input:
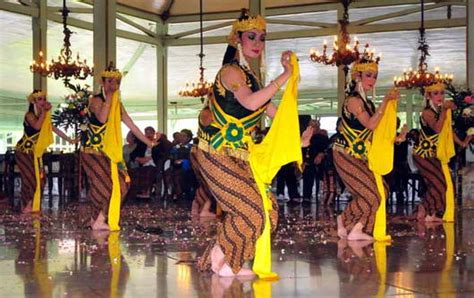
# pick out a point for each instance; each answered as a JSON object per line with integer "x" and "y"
{"x": 128, "y": 148}
{"x": 145, "y": 174}
{"x": 180, "y": 175}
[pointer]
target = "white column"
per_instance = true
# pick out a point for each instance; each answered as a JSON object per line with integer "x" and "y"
{"x": 470, "y": 44}
{"x": 257, "y": 7}
{"x": 162, "y": 79}
{"x": 104, "y": 37}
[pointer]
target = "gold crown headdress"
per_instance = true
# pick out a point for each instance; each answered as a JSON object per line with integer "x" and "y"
{"x": 246, "y": 24}
{"x": 111, "y": 72}
{"x": 35, "y": 94}
{"x": 436, "y": 86}
{"x": 367, "y": 61}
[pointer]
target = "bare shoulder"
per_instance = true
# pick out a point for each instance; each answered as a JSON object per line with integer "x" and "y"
{"x": 30, "y": 116}
{"x": 95, "y": 103}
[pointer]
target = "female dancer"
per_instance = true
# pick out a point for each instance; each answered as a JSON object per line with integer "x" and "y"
{"x": 102, "y": 153}
{"x": 37, "y": 136}
{"x": 237, "y": 105}
{"x": 433, "y": 117}
{"x": 359, "y": 119}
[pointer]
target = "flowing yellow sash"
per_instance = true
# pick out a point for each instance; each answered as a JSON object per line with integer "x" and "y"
{"x": 115, "y": 258}
{"x": 444, "y": 153}
{"x": 282, "y": 145}
{"x": 45, "y": 139}
{"x": 113, "y": 149}
{"x": 380, "y": 159}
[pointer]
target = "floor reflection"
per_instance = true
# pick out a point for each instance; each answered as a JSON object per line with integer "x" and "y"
{"x": 55, "y": 256}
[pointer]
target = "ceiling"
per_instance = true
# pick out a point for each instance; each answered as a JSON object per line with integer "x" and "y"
{"x": 139, "y": 87}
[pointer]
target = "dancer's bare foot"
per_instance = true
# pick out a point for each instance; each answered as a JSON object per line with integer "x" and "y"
{"x": 217, "y": 258}
{"x": 28, "y": 208}
{"x": 206, "y": 210}
{"x": 245, "y": 272}
{"x": 357, "y": 233}
{"x": 100, "y": 224}
{"x": 433, "y": 218}
{"x": 421, "y": 214}
{"x": 205, "y": 213}
{"x": 357, "y": 247}
{"x": 341, "y": 230}
{"x": 226, "y": 271}
{"x": 194, "y": 208}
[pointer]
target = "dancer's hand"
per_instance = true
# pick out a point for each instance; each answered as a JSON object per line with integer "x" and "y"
{"x": 286, "y": 63}
{"x": 392, "y": 94}
{"x": 448, "y": 104}
{"x": 466, "y": 142}
{"x": 47, "y": 106}
{"x": 75, "y": 140}
{"x": 403, "y": 134}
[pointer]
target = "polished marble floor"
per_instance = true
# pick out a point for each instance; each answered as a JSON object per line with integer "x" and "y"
{"x": 54, "y": 255}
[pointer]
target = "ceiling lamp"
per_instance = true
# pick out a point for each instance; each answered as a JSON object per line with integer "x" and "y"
{"x": 201, "y": 87}
{"x": 343, "y": 52}
{"x": 421, "y": 77}
{"x": 65, "y": 66}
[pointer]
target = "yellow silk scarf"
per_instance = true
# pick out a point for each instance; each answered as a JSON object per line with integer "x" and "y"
{"x": 45, "y": 139}
{"x": 115, "y": 258}
{"x": 281, "y": 145}
{"x": 113, "y": 149}
{"x": 380, "y": 159}
{"x": 444, "y": 153}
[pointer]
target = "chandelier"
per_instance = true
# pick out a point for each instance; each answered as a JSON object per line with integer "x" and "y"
{"x": 201, "y": 87}
{"x": 421, "y": 77}
{"x": 64, "y": 66}
{"x": 343, "y": 52}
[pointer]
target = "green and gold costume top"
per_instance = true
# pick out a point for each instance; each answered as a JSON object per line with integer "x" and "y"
{"x": 354, "y": 138}
{"x": 30, "y": 137}
{"x": 428, "y": 142}
{"x": 232, "y": 123}
{"x": 95, "y": 130}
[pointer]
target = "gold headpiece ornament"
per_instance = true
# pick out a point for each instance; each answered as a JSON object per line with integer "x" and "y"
{"x": 34, "y": 95}
{"x": 366, "y": 62}
{"x": 111, "y": 72}
{"x": 437, "y": 86}
{"x": 246, "y": 24}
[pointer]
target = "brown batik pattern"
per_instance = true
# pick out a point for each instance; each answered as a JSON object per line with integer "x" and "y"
{"x": 434, "y": 199}
{"x": 97, "y": 169}
{"x": 231, "y": 182}
{"x": 25, "y": 162}
{"x": 361, "y": 183}
{"x": 203, "y": 193}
